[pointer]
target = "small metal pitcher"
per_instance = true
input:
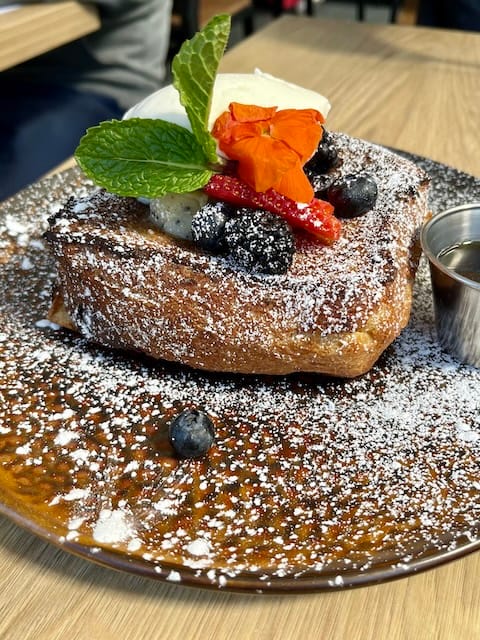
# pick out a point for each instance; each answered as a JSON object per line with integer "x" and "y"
{"x": 456, "y": 297}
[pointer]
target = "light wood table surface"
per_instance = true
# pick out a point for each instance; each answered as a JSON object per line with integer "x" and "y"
{"x": 31, "y": 30}
{"x": 411, "y": 88}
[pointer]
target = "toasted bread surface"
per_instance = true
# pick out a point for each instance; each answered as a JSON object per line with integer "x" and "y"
{"x": 125, "y": 284}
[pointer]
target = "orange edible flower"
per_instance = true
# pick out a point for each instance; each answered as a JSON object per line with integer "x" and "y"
{"x": 271, "y": 146}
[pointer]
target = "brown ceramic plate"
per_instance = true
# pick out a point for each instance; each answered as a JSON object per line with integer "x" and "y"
{"x": 312, "y": 483}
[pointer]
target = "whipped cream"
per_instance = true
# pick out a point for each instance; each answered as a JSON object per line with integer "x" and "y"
{"x": 256, "y": 88}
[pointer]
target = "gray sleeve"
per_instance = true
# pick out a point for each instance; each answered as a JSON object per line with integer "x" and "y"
{"x": 125, "y": 59}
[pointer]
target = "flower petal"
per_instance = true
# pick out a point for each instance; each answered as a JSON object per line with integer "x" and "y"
{"x": 295, "y": 185}
{"x": 270, "y": 146}
{"x": 250, "y": 112}
{"x": 222, "y": 128}
{"x": 262, "y": 161}
{"x": 299, "y": 128}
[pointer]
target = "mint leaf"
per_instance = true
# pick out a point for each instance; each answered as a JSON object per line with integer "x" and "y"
{"x": 194, "y": 69}
{"x": 143, "y": 157}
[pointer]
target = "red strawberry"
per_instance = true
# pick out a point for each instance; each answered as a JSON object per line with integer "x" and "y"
{"x": 316, "y": 217}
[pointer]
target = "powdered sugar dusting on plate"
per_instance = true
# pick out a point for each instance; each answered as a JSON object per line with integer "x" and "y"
{"x": 323, "y": 483}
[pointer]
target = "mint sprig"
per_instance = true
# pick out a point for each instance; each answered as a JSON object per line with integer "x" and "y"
{"x": 152, "y": 157}
{"x": 194, "y": 70}
{"x": 143, "y": 157}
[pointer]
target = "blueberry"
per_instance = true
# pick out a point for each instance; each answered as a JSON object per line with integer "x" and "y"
{"x": 208, "y": 226}
{"x": 260, "y": 241}
{"x": 324, "y": 158}
{"x": 353, "y": 195}
{"x": 191, "y": 433}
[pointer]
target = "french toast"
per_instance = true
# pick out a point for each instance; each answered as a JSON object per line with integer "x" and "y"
{"x": 125, "y": 284}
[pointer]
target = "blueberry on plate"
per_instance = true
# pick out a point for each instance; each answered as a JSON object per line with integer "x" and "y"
{"x": 208, "y": 226}
{"x": 260, "y": 241}
{"x": 191, "y": 433}
{"x": 353, "y": 195}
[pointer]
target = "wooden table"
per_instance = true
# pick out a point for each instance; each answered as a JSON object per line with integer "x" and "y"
{"x": 31, "y": 30}
{"x": 412, "y": 88}
{"x": 408, "y": 87}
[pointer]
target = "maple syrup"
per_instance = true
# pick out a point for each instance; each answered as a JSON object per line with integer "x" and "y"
{"x": 464, "y": 259}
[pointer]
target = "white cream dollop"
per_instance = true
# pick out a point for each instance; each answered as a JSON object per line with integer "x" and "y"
{"x": 256, "y": 88}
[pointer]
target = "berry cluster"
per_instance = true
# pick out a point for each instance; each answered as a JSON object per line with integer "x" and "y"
{"x": 352, "y": 195}
{"x": 316, "y": 217}
{"x": 256, "y": 239}
{"x": 255, "y": 229}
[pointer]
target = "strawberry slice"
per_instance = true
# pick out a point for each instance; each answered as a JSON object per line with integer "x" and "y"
{"x": 316, "y": 217}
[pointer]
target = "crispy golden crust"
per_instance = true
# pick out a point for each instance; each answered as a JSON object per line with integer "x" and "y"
{"x": 124, "y": 284}
{"x": 346, "y": 354}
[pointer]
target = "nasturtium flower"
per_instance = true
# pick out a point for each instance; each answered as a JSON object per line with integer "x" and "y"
{"x": 271, "y": 146}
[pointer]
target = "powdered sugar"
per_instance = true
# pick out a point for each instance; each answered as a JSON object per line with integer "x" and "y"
{"x": 172, "y": 306}
{"x": 112, "y": 526}
{"x": 319, "y": 482}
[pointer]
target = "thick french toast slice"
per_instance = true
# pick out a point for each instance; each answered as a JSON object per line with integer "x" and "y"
{"x": 125, "y": 284}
